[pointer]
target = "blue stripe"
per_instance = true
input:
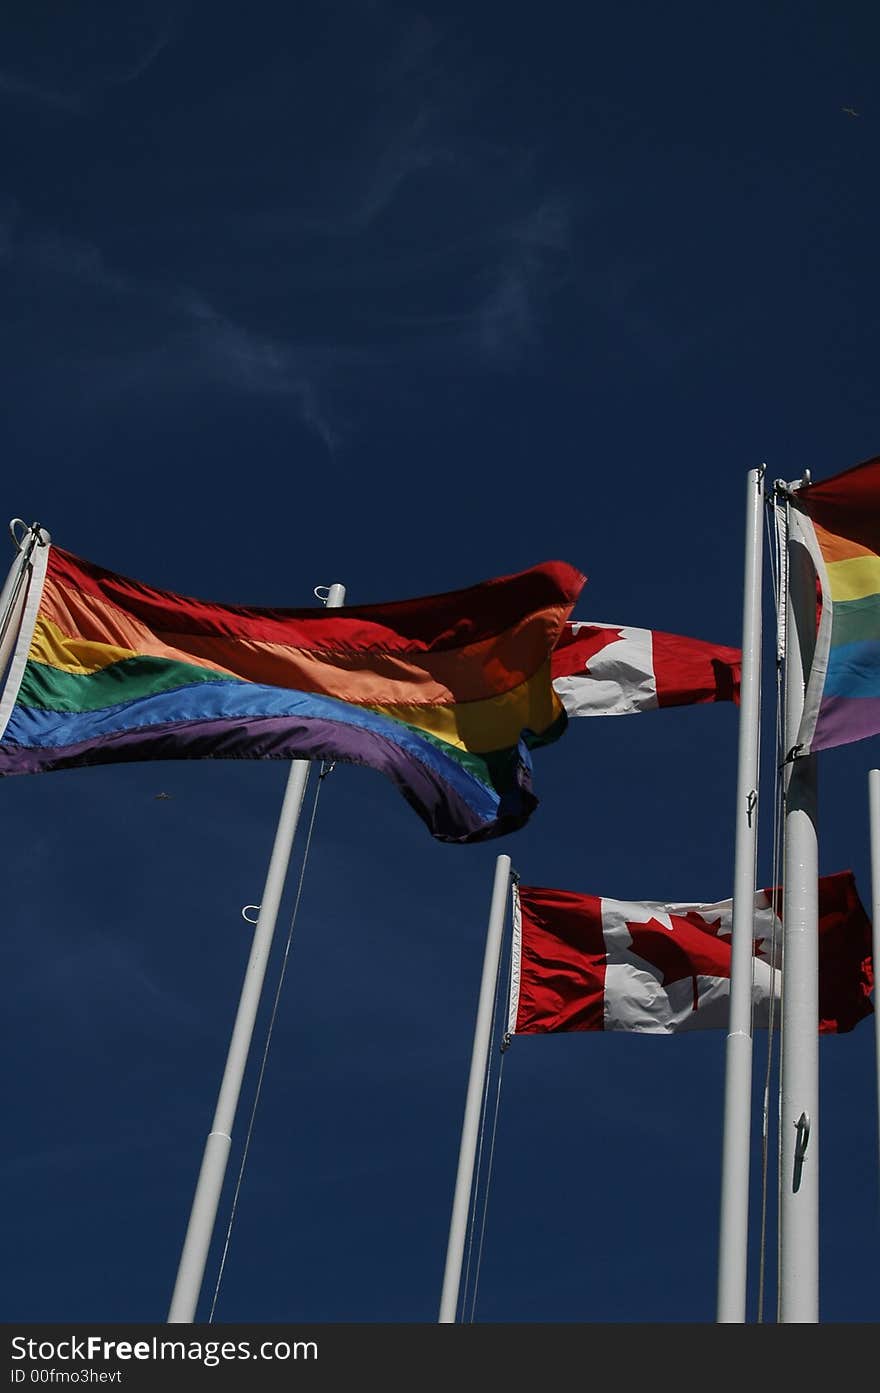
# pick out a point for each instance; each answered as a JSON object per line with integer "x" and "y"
{"x": 854, "y": 670}
{"x": 206, "y": 701}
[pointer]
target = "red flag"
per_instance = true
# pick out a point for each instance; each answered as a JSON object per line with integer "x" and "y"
{"x": 585, "y": 963}
{"x": 614, "y": 670}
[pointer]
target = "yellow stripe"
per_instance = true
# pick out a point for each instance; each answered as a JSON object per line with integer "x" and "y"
{"x": 78, "y": 655}
{"x": 491, "y": 724}
{"x": 494, "y": 724}
{"x": 73, "y": 641}
{"x": 854, "y": 579}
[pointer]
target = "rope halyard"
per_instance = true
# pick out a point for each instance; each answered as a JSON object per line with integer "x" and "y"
{"x": 487, "y": 1183}
{"x": 271, "y": 1026}
{"x": 482, "y": 1192}
{"x": 779, "y": 572}
{"x": 489, "y": 1170}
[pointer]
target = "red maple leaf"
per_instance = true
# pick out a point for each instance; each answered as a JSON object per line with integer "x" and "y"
{"x": 691, "y": 948}
{"x": 575, "y": 648}
{"x": 714, "y": 928}
{"x": 704, "y": 926}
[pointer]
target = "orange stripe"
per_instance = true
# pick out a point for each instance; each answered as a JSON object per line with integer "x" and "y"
{"x": 495, "y": 724}
{"x": 474, "y": 672}
{"x": 426, "y": 623}
{"x": 836, "y": 548}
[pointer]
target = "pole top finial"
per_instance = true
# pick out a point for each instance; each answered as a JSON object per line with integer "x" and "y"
{"x": 20, "y": 531}
{"x": 330, "y": 595}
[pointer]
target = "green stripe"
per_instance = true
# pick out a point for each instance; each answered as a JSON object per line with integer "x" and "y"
{"x": 497, "y": 769}
{"x": 855, "y": 621}
{"x": 51, "y": 689}
{"x": 488, "y": 769}
{"x": 548, "y": 736}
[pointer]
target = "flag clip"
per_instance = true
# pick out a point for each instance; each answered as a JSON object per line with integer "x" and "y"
{"x": 751, "y": 805}
{"x": 789, "y": 489}
{"x": 246, "y": 917}
{"x": 25, "y": 536}
{"x": 800, "y": 1148}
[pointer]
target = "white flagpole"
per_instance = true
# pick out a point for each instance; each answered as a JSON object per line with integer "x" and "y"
{"x": 734, "y": 1227}
{"x": 471, "y": 1124}
{"x": 216, "y": 1154}
{"x": 798, "y": 1297}
{"x": 874, "y": 803}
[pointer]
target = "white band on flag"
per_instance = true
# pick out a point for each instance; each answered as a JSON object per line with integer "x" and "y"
{"x": 800, "y": 529}
{"x": 34, "y": 586}
{"x": 515, "y": 961}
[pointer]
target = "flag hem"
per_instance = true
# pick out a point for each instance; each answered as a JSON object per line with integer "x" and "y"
{"x": 801, "y": 527}
{"x": 18, "y": 664}
{"x": 515, "y": 961}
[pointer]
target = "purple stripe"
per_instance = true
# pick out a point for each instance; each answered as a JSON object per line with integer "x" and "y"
{"x": 844, "y": 719}
{"x": 446, "y": 814}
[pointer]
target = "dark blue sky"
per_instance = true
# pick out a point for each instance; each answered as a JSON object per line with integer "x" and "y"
{"x": 408, "y": 298}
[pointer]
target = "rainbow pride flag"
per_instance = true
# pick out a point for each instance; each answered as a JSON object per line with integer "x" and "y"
{"x": 838, "y": 520}
{"x": 445, "y": 695}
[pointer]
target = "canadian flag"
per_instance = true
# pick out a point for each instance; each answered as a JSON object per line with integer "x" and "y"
{"x": 613, "y": 670}
{"x": 584, "y": 963}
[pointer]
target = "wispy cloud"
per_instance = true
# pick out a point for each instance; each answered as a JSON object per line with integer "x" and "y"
{"x": 177, "y": 334}
{"x": 21, "y": 89}
{"x": 75, "y": 258}
{"x": 258, "y": 364}
{"x": 76, "y": 60}
{"x": 532, "y": 267}
{"x": 85, "y": 979}
{"x": 142, "y": 61}
{"x": 506, "y": 317}
{"x": 410, "y": 240}
{"x": 410, "y": 51}
{"x": 405, "y": 152}
{"x": 389, "y": 151}
{"x": 67, "y": 1156}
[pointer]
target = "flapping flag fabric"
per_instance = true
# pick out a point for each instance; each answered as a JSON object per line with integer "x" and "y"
{"x": 584, "y": 963}
{"x": 838, "y": 521}
{"x": 616, "y": 670}
{"x": 445, "y": 694}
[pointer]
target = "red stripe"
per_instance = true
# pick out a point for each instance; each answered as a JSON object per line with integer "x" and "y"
{"x": 847, "y": 503}
{"x": 846, "y": 969}
{"x": 562, "y": 970}
{"x": 689, "y": 671}
{"x": 449, "y": 621}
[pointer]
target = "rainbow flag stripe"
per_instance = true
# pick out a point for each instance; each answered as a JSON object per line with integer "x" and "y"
{"x": 446, "y": 694}
{"x": 839, "y": 522}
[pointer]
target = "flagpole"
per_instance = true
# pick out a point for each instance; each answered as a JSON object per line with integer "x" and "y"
{"x": 874, "y": 804}
{"x": 473, "y": 1102}
{"x": 13, "y": 586}
{"x": 197, "y": 1242}
{"x": 734, "y": 1226}
{"x": 798, "y": 1296}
